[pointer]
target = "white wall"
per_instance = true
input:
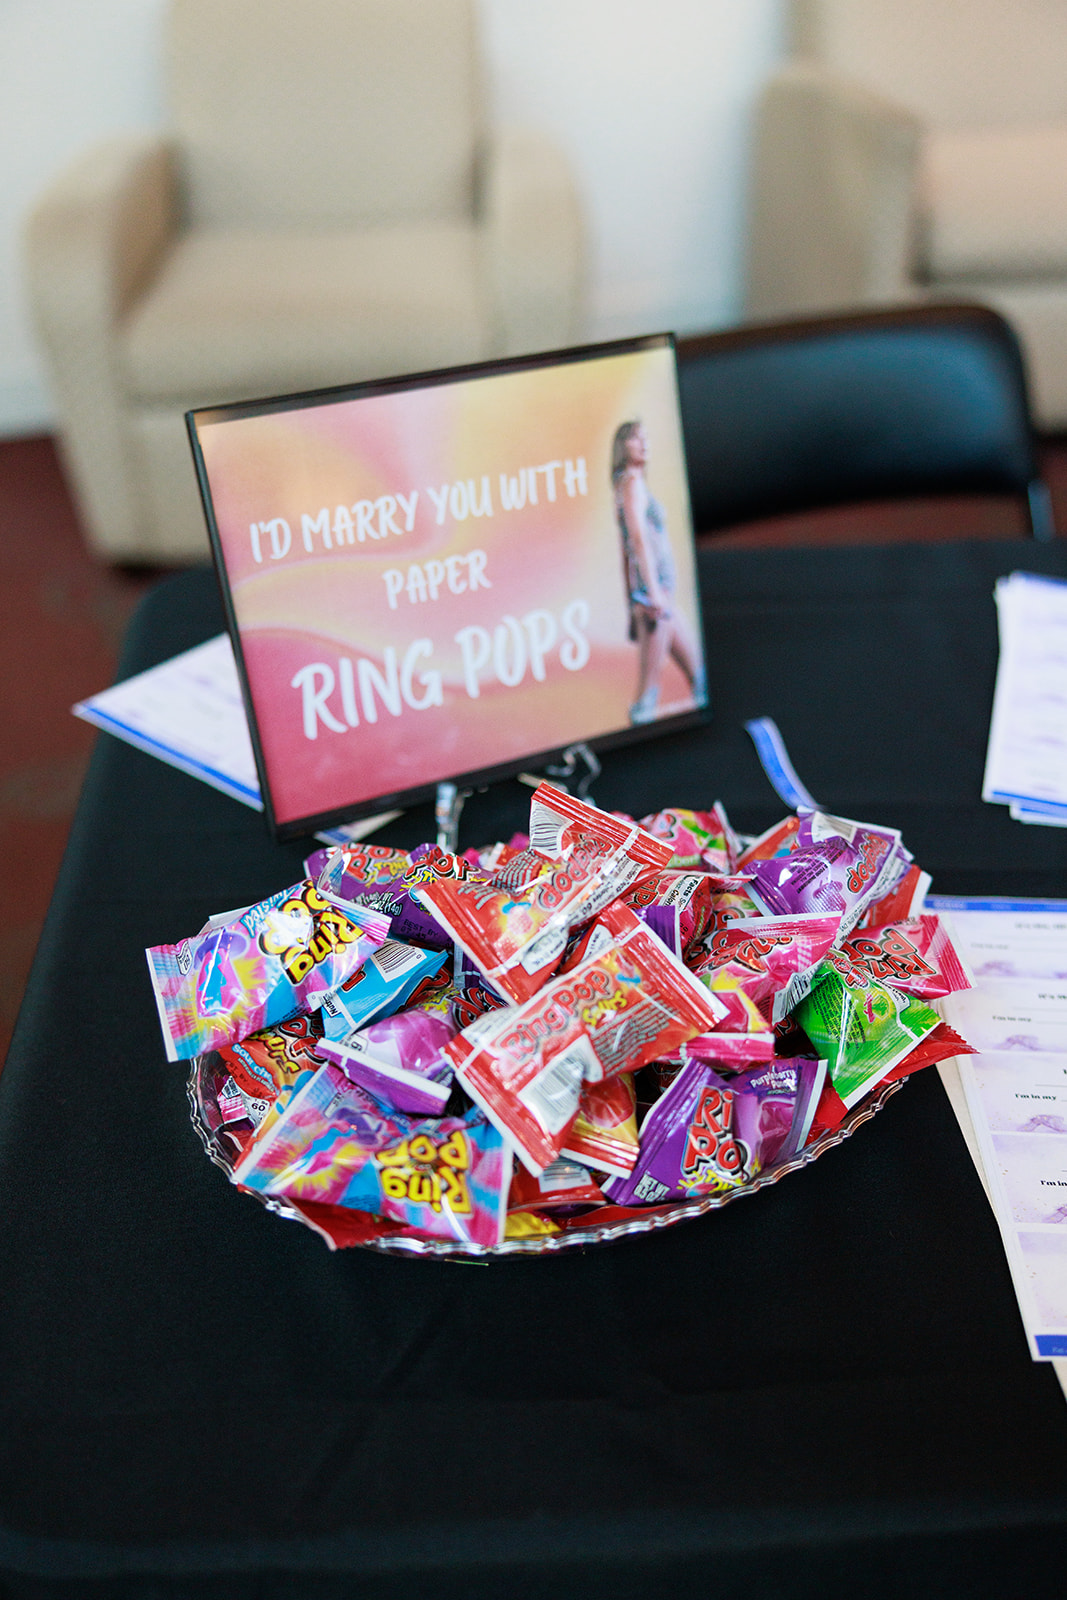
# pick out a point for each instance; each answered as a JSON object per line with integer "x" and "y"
{"x": 651, "y": 101}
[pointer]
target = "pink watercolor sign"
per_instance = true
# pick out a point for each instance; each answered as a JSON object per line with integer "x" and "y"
{"x": 445, "y": 580}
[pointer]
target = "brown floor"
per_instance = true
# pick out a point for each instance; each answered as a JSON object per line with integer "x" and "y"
{"x": 62, "y": 618}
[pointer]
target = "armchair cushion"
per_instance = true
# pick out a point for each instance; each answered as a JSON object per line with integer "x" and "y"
{"x": 994, "y": 203}
{"x": 324, "y": 113}
{"x": 237, "y": 314}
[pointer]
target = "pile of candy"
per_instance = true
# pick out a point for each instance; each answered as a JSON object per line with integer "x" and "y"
{"x": 581, "y": 1026}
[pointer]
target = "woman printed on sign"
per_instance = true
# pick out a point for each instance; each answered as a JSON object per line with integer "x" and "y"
{"x": 658, "y": 630}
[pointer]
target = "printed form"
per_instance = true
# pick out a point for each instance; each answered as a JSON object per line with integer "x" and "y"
{"x": 189, "y": 712}
{"x": 1026, "y": 761}
{"x": 1016, "y": 1092}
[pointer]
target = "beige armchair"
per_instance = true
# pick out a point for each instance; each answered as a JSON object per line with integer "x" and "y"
{"x": 919, "y": 148}
{"x": 328, "y": 206}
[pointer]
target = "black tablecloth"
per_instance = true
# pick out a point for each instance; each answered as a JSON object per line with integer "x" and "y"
{"x": 823, "y": 1389}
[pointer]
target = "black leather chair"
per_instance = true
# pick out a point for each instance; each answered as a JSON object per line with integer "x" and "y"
{"x": 919, "y": 401}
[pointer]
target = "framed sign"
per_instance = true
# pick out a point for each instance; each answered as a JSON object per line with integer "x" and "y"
{"x": 454, "y": 576}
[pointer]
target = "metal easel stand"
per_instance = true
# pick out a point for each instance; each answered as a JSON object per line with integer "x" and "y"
{"x": 577, "y": 759}
{"x": 574, "y": 757}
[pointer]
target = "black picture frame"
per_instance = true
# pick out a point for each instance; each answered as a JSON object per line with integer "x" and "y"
{"x": 295, "y": 828}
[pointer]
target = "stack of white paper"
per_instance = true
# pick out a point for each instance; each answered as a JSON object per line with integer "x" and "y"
{"x": 1016, "y": 1091}
{"x": 1026, "y": 763}
{"x": 189, "y": 712}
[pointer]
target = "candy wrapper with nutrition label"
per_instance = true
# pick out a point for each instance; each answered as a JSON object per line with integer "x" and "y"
{"x": 551, "y": 1036}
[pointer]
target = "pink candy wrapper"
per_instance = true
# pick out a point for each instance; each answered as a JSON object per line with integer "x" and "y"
{"x": 919, "y": 956}
{"x": 701, "y": 840}
{"x": 759, "y": 959}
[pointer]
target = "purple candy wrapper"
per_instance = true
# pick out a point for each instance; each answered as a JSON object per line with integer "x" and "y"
{"x": 664, "y": 922}
{"x": 706, "y": 1135}
{"x": 838, "y": 867}
{"x": 399, "y": 1060}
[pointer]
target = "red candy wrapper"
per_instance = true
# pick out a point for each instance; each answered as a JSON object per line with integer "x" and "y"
{"x": 517, "y": 931}
{"x": 604, "y": 1133}
{"x": 903, "y": 902}
{"x": 563, "y": 1184}
{"x": 624, "y": 1006}
{"x": 943, "y": 1043}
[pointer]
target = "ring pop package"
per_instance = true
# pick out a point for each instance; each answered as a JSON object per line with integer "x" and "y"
{"x": 766, "y": 958}
{"x": 518, "y": 935}
{"x": 383, "y": 880}
{"x": 271, "y": 961}
{"x": 919, "y": 956}
{"x": 863, "y": 1031}
{"x": 624, "y": 1006}
{"x": 604, "y": 1133}
{"x": 838, "y": 867}
{"x": 336, "y": 1145}
{"x": 700, "y": 840}
{"x": 707, "y": 1134}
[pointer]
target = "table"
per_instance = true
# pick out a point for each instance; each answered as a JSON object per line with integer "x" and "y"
{"x": 823, "y": 1389}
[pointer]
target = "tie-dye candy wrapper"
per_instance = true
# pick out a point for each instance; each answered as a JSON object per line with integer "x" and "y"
{"x": 259, "y": 968}
{"x": 707, "y": 1135}
{"x": 619, "y": 1009}
{"x": 517, "y": 932}
{"x": 447, "y": 1177}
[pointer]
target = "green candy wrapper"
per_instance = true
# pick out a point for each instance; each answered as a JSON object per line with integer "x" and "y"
{"x": 863, "y": 1033}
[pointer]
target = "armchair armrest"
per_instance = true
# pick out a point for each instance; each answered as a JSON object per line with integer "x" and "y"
{"x": 93, "y": 240}
{"x": 533, "y": 242}
{"x": 833, "y": 195}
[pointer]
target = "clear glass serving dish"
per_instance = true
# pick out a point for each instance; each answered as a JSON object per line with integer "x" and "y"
{"x": 208, "y": 1124}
